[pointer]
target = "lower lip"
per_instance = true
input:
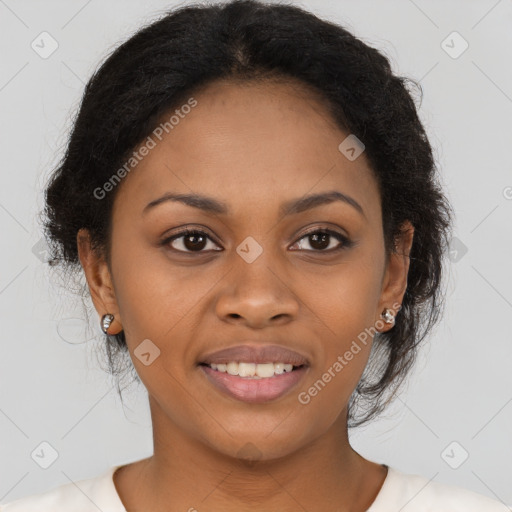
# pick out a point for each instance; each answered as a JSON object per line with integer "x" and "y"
{"x": 254, "y": 390}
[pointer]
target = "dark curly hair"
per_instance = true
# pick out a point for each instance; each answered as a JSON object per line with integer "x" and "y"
{"x": 166, "y": 61}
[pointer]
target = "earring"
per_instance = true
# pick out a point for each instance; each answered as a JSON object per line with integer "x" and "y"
{"x": 106, "y": 320}
{"x": 388, "y": 316}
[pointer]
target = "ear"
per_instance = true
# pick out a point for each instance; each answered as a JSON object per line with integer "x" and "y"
{"x": 394, "y": 282}
{"x": 99, "y": 280}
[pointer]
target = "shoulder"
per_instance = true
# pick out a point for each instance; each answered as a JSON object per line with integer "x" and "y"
{"x": 87, "y": 495}
{"x": 415, "y": 493}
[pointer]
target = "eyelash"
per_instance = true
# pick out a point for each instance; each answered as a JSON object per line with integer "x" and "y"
{"x": 346, "y": 242}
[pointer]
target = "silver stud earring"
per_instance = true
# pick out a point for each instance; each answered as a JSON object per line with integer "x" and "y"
{"x": 388, "y": 316}
{"x": 106, "y": 320}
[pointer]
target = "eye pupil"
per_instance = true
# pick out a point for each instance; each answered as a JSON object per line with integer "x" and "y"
{"x": 194, "y": 245}
{"x": 319, "y": 239}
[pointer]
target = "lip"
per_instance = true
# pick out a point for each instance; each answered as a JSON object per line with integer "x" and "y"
{"x": 252, "y": 353}
{"x": 255, "y": 391}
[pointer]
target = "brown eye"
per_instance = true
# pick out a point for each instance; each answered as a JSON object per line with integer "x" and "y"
{"x": 323, "y": 240}
{"x": 189, "y": 241}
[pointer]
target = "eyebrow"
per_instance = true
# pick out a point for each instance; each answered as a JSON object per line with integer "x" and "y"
{"x": 294, "y": 206}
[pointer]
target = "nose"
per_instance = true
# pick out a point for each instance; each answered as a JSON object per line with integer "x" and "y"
{"x": 257, "y": 296}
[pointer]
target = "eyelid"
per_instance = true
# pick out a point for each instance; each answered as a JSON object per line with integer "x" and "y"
{"x": 324, "y": 229}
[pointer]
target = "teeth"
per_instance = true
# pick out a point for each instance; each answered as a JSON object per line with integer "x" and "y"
{"x": 232, "y": 368}
{"x": 246, "y": 369}
{"x": 253, "y": 370}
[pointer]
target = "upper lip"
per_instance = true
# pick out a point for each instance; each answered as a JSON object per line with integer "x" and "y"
{"x": 251, "y": 353}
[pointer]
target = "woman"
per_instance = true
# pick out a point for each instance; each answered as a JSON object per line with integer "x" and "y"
{"x": 254, "y": 203}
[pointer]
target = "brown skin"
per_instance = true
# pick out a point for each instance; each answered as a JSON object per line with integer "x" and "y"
{"x": 252, "y": 147}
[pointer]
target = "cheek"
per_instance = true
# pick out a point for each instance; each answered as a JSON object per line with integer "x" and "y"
{"x": 343, "y": 305}
{"x": 154, "y": 296}
{"x": 159, "y": 306}
{"x": 163, "y": 307}
{"x": 343, "y": 298}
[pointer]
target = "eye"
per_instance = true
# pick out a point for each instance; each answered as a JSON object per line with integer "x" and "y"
{"x": 189, "y": 240}
{"x": 321, "y": 241}
{"x": 196, "y": 240}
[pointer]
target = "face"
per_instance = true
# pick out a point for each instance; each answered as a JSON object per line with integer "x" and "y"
{"x": 256, "y": 271}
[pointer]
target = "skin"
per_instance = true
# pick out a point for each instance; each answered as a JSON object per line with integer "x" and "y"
{"x": 252, "y": 146}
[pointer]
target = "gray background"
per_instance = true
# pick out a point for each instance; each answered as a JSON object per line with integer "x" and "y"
{"x": 52, "y": 387}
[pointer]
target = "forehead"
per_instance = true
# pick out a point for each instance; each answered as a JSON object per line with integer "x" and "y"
{"x": 248, "y": 144}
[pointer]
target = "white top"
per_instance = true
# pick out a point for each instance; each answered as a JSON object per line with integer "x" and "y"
{"x": 400, "y": 491}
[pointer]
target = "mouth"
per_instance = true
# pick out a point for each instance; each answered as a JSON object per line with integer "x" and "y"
{"x": 254, "y": 374}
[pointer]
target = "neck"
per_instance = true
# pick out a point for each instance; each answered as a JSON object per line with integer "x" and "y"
{"x": 186, "y": 474}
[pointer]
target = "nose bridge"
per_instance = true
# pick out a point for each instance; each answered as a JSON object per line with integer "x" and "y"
{"x": 257, "y": 290}
{"x": 255, "y": 266}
